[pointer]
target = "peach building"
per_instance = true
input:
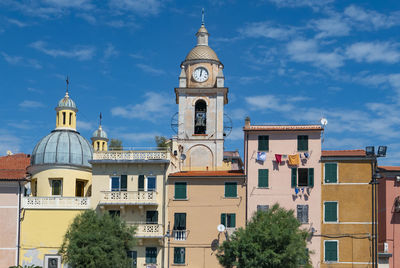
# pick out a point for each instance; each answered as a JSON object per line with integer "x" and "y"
{"x": 389, "y": 217}
{"x": 12, "y": 179}
{"x": 282, "y": 163}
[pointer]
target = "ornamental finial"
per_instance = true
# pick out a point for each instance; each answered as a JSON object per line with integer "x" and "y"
{"x": 202, "y": 16}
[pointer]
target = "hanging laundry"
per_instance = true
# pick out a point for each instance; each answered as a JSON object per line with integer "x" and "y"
{"x": 301, "y": 156}
{"x": 261, "y": 156}
{"x": 294, "y": 160}
{"x": 278, "y": 158}
{"x": 306, "y": 155}
{"x": 284, "y": 156}
{"x": 302, "y": 190}
{"x": 296, "y": 190}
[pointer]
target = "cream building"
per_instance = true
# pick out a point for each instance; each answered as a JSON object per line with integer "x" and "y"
{"x": 61, "y": 179}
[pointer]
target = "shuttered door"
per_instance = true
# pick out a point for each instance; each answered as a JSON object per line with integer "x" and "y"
{"x": 330, "y": 212}
{"x": 141, "y": 183}
{"x": 311, "y": 177}
{"x": 331, "y": 172}
{"x": 294, "y": 177}
{"x": 230, "y": 189}
{"x": 180, "y": 190}
{"x": 331, "y": 251}
{"x": 263, "y": 143}
{"x": 124, "y": 182}
{"x": 263, "y": 178}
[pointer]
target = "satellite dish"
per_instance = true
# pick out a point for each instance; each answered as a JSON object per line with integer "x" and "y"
{"x": 324, "y": 121}
{"x": 183, "y": 157}
{"x": 221, "y": 228}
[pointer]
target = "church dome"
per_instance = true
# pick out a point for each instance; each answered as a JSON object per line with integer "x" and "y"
{"x": 100, "y": 133}
{"x": 202, "y": 53}
{"x": 66, "y": 103}
{"x": 63, "y": 147}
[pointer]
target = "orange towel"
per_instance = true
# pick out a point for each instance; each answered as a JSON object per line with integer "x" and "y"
{"x": 294, "y": 160}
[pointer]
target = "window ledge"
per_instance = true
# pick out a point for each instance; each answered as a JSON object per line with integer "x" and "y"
{"x": 179, "y": 264}
{"x": 263, "y": 187}
{"x": 334, "y": 183}
{"x": 180, "y": 199}
{"x": 199, "y": 134}
{"x": 231, "y": 197}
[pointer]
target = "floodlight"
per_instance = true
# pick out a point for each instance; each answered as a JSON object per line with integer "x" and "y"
{"x": 370, "y": 150}
{"x": 382, "y": 151}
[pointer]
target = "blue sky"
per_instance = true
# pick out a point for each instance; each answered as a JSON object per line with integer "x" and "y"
{"x": 286, "y": 62}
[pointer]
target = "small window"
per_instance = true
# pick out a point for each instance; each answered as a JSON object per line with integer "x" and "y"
{"x": 70, "y": 118}
{"x": 152, "y": 217}
{"x": 52, "y": 261}
{"x": 141, "y": 183}
{"x": 64, "y": 115}
{"x": 263, "y": 178}
{"x": 114, "y": 213}
{"x": 331, "y": 173}
{"x": 230, "y": 189}
{"x": 263, "y": 143}
{"x": 179, "y": 255}
{"x": 228, "y": 220}
{"x": 132, "y": 256}
{"x": 151, "y": 183}
{"x": 180, "y": 221}
{"x": 302, "y": 177}
{"x": 119, "y": 183}
{"x": 331, "y": 211}
{"x": 331, "y": 251}
{"x": 302, "y": 213}
{"x": 151, "y": 255}
{"x": 302, "y": 143}
{"x": 56, "y": 187}
{"x": 180, "y": 190}
{"x": 262, "y": 207}
{"x": 200, "y": 119}
{"x": 98, "y": 146}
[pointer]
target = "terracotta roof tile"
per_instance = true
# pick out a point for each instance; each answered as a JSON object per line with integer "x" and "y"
{"x": 13, "y": 167}
{"x": 390, "y": 168}
{"x": 343, "y": 153}
{"x": 283, "y": 127}
{"x": 228, "y": 173}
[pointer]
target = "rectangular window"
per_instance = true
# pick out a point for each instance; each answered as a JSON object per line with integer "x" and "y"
{"x": 70, "y": 118}
{"x": 331, "y": 211}
{"x": 151, "y": 255}
{"x": 179, "y": 255}
{"x": 228, "y": 220}
{"x": 114, "y": 213}
{"x": 302, "y": 143}
{"x": 132, "y": 256}
{"x": 52, "y": 261}
{"x": 180, "y": 190}
{"x": 119, "y": 183}
{"x": 331, "y": 173}
{"x": 230, "y": 189}
{"x": 302, "y": 213}
{"x": 180, "y": 221}
{"x": 262, "y": 207}
{"x": 263, "y": 178}
{"x": 63, "y": 113}
{"x": 151, "y": 183}
{"x": 331, "y": 251}
{"x": 141, "y": 183}
{"x": 263, "y": 143}
{"x": 152, "y": 217}
{"x": 302, "y": 177}
{"x": 56, "y": 187}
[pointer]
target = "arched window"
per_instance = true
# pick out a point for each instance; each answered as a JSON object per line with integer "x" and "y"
{"x": 200, "y": 117}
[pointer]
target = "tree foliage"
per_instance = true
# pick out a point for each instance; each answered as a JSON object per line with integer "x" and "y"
{"x": 115, "y": 144}
{"x": 271, "y": 239}
{"x": 162, "y": 142}
{"x": 97, "y": 240}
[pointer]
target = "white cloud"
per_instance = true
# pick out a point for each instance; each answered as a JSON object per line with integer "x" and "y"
{"x": 371, "y": 19}
{"x": 268, "y": 102}
{"x": 139, "y": 137}
{"x": 148, "y": 69}
{"x": 78, "y": 52}
{"x": 18, "y": 60}
{"x": 31, "y": 104}
{"x": 314, "y": 4}
{"x": 84, "y": 125}
{"x": 267, "y": 30}
{"x": 17, "y": 22}
{"x": 142, "y": 7}
{"x": 308, "y": 51}
{"x": 333, "y": 26}
{"x": 110, "y": 51}
{"x": 10, "y": 142}
{"x": 379, "y": 80}
{"x": 154, "y": 107}
{"x": 236, "y": 134}
{"x": 374, "y": 52}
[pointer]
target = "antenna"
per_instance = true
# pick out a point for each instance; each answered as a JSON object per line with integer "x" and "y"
{"x": 100, "y": 118}
{"x": 202, "y": 16}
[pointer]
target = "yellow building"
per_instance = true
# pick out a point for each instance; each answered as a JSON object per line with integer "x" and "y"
{"x": 346, "y": 209}
{"x": 60, "y": 188}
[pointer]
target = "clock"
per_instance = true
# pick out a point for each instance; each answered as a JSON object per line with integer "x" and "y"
{"x": 200, "y": 74}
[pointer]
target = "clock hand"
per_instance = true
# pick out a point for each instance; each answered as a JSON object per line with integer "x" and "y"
{"x": 201, "y": 71}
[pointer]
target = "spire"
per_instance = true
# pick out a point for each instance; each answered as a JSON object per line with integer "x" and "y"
{"x": 67, "y": 81}
{"x": 202, "y": 16}
{"x": 100, "y": 120}
{"x": 202, "y": 33}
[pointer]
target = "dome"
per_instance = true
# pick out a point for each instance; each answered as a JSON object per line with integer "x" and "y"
{"x": 64, "y": 147}
{"x": 99, "y": 133}
{"x": 202, "y": 53}
{"x": 66, "y": 102}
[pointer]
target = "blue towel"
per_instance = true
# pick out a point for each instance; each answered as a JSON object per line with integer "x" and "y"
{"x": 306, "y": 155}
{"x": 296, "y": 190}
{"x": 261, "y": 156}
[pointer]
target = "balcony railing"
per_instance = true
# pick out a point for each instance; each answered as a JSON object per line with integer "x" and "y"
{"x": 179, "y": 235}
{"x": 148, "y": 230}
{"x": 131, "y": 155}
{"x": 59, "y": 202}
{"x": 129, "y": 197}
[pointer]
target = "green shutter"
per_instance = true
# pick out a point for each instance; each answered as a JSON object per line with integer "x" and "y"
{"x": 331, "y": 251}
{"x": 232, "y": 222}
{"x": 294, "y": 177}
{"x": 311, "y": 177}
{"x": 141, "y": 183}
{"x": 331, "y": 172}
{"x": 302, "y": 143}
{"x": 230, "y": 189}
{"x": 180, "y": 190}
{"x": 223, "y": 219}
{"x": 263, "y": 143}
{"x": 124, "y": 182}
{"x": 263, "y": 178}
{"x": 330, "y": 212}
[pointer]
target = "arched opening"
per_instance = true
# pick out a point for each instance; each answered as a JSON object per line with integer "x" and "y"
{"x": 200, "y": 120}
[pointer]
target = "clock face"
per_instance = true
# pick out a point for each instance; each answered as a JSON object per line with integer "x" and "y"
{"x": 200, "y": 74}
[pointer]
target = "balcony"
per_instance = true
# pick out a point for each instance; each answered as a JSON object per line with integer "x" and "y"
{"x": 128, "y": 198}
{"x": 148, "y": 230}
{"x": 55, "y": 202}
{"x": 179, "y": 235}
{"x": 132, "y": 155}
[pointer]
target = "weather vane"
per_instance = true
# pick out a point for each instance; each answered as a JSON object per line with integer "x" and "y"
{"x": 67, "y": 80}
{"x": 100, "y": 118}
{"x": 202, "y": 16}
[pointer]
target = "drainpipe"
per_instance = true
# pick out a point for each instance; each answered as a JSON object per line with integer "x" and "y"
{"x": 19, "y": 221}
{"x": 247, "y": 168}
{"x": 164, "y": 213}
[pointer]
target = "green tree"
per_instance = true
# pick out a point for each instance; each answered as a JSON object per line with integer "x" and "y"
{"x": 271, "y": 239}
{"x": 162, "y": 142}
{"x": 96, "y": 241}
{"x": 115, "y": 144}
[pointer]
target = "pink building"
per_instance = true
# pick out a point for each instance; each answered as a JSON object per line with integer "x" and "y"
{"x": 389, "y": 217}
{"x": 283, "y": 166}
{"x": 12, "y": 179}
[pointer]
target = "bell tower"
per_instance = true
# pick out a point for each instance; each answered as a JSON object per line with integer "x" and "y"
{"x": 201, "y": 97}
